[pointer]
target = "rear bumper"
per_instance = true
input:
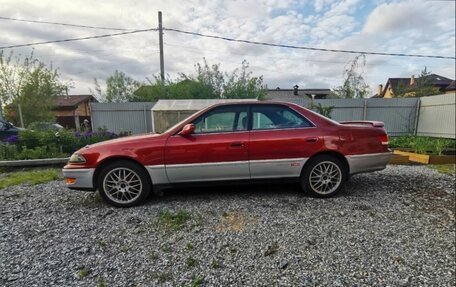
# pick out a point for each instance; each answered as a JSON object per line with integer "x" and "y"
{"x": 368, "y": 162}
{"x": 83, "y": 178}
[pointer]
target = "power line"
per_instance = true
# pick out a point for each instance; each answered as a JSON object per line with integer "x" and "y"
{"x": 64, "y": 24}
{"x": 306, "y": 48}
{"x": 78, "y": 39}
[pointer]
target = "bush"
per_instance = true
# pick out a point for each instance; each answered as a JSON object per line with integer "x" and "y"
{"x": 8, "y": 151}
{"x": 47, "y": 144}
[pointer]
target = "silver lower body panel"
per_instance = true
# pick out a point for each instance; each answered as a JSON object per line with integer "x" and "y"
{"x": 83, "y": 176}
{"x": 368, "y": 162}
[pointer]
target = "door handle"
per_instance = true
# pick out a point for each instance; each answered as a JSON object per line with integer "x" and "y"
{"x": 237, "y": 144}
{"x": 311, "y": 140}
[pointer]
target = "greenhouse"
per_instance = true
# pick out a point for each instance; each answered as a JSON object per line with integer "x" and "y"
{"x": 166, "y": 113}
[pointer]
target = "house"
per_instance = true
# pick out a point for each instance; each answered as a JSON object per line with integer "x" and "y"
{"x": 71, "y": 110}
{"x": 394, "y": 84}
{"x": 451, "y": 88}
{"x": 279, "y": 94}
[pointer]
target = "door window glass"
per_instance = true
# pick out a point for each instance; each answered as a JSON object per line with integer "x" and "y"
{"x": 223, "y": 119}
{"x": 277, "y": 117}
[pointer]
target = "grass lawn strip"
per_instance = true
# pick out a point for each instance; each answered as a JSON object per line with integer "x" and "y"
{"x": 30, "y": 177}
{"x": 449, "y": 169}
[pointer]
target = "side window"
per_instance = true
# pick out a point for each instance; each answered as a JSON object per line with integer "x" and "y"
{"x": 276, "y": 117}
{"x": 2, "y": 126}
{"x": 222, "y": 119}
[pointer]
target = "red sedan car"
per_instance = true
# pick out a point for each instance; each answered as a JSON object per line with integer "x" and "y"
{"x": 244, "y": 141}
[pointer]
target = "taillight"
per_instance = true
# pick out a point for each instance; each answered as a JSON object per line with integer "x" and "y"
{"x": 383, "y": 139}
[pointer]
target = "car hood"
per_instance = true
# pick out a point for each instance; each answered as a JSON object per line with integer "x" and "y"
{"x": 124, "y": 140}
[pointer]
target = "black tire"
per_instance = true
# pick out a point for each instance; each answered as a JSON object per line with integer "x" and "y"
{"x": 124, "y": 184}
{"x": 324, "y": 176}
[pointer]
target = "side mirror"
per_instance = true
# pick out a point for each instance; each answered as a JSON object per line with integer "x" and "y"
{"x": 188, "y": 129}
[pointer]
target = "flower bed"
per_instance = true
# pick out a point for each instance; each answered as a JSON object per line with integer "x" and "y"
{"x": 425, "y": 150}
{"x": 48, "y": 144}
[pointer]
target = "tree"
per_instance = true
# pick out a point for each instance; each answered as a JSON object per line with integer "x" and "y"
{"x": 208, "y": 83}
{"x": 423, "y": 87}
{"x": 119, "y": 88}
{"x": 240, "y": 84}
{"x": 354, "y": 85}
{"x": 322, "y": 110}
{"x": 31, "y": 84}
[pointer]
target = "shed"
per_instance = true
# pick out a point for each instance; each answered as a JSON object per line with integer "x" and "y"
{"x": 166, "y": 113}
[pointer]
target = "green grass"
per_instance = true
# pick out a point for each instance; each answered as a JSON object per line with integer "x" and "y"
{"x": 191, "y": 262}
{"x": 30, "y": 177}
{"x": 161, "y": 276}
{"x": 82, "y": 273}
{"x": 101, "y": 243}
{"x": 449, "y": 169}
{"x": 101, "y": 282}
{"x": 215, "y": 264}
{"x": 174, "y": 221}
{"x": 197, "y": 281}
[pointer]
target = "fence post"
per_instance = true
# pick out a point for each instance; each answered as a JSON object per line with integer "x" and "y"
{"x": 417, "y": 116}
{"x": 145, "y": 118}
{"x": 365, "y": 110}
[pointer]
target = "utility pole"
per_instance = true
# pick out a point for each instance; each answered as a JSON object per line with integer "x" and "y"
{"x": 160, "y": 37}
{"x": 19, "y": 108}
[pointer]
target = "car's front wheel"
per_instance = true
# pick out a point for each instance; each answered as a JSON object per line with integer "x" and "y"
{"x": 324, "y": 176}
{"x": 123, "y": 184}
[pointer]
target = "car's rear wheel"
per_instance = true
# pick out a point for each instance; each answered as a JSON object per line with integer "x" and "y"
{"x": 323, "y": 176}
{"x": 123, "y": 184}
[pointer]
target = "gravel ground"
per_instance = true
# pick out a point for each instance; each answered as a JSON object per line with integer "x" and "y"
{"x": 390, "y": 228}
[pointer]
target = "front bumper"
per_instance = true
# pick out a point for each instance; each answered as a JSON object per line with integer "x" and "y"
{"x": 80, "y": 179}
{"x": 368, "y": 162}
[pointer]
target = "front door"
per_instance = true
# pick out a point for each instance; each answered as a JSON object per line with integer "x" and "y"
{"x": 216, "y": 151}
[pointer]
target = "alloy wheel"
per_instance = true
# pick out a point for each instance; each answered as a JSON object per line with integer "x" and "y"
{"x": 122, "y": 185}
{"x": 325, "y": 177}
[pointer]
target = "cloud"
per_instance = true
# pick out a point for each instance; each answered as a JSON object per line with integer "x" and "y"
{"x": 401, "y": 26}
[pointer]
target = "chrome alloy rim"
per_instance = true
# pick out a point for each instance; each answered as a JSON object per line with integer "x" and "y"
{"x": 325, "y": 177}
{"x": 122, "y": 185}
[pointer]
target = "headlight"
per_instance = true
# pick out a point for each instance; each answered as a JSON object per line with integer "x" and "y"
{"x": 77, "y": 158}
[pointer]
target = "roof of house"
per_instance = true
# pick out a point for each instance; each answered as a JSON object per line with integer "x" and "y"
{"x": 435, "y": 80}
{"x": 451, "y": 86}
{"x": 284, "y": 94}
{"x": 439, "y": 80}
{"x": 72, "y": 101}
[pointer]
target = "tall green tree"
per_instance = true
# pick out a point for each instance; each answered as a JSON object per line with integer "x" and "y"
{"x": 209, "y": 82}
{"x": 119, "y": 88}
{"x": 28, "y": 82}
{"x": 354, "y": 85}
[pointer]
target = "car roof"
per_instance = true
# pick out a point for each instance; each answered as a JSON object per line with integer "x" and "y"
{"x": 253, "y": 103}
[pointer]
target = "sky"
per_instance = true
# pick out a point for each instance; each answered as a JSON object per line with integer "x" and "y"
{"x": 412, "y": 27}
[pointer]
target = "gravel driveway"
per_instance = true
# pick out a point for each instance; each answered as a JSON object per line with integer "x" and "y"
{"x": 395, "y": 227}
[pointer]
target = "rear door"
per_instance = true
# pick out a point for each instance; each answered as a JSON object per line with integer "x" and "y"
{"x": 218, "y": 150}
{"x": 281, "y": 140}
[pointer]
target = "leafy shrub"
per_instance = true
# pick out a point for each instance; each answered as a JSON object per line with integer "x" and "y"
{"x": 422, "y": 145}
{"x": 47, "y": 144}
{"x": 8, "y": 151}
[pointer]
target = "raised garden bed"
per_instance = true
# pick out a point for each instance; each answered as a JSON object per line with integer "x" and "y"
{"x": 426, "y": 158}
